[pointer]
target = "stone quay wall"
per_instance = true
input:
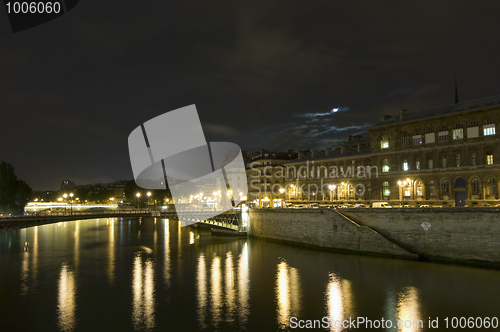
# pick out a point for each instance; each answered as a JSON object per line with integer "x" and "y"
{"x": 462, "y": 235}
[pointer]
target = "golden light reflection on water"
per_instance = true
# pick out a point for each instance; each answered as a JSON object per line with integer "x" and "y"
{"x": 66, "y": 299}
{"x": 408, "y": 310}
{"x": 216, "y": 290}
{"x": 201, "y": 283}
{"x": 229, "y": 288}
{"x": 339, "y": 301}
{"x": 222, "y": 294}
{"x": 111, "y": 251}
{"x": 143, "y": 303}
{"x": 287, "y": 293}
{"x": 243, "y": 285}
{"x": 191, "y": 237}
{"x": 166, "y": 267}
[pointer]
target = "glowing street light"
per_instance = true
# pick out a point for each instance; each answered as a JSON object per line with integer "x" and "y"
{"x": 332, "y": 189}
{"x": 138, "y": 195}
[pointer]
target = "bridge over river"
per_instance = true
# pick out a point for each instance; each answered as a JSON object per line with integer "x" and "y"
{"x": 231, "y": 220}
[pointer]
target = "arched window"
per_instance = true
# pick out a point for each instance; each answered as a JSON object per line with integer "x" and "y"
{"x": 472, "y": 130}
{"x": 417, "y": 138}
{"x": 419, "y": 188}
{"x": 432, "y": 189}
{"x": 446, "y": 187}
{"x": 492, "y": 188}
{"x": 457, "y": 132}
{"x": 443, "y": 134}
{"x": 386, "y": 192}
{"x": 385, "y": 166}
{"x": 475, "y": 187}
{"x": 405, "y": 139}
{"x": 488, "y": 127}
{"x": 430, "y": 137}
{"x": 384, "y": 142}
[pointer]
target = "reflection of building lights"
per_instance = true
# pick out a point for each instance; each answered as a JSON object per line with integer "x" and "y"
{"x": 408, "y": 311}
{"x": 66, "y": 299}
{"x": 287, "y": 293}
{"x": 191, "y": 237}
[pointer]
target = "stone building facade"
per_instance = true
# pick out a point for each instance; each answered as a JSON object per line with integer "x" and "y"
{"x": 443, "y": 156}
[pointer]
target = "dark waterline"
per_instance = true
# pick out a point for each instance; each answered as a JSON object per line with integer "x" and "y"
{"x": 153, "y": 275}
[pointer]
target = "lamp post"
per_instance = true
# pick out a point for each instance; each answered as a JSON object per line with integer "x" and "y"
{"x": 149, "y": 199}
{"x": 401, "y": 184}
{"x": 138, "y": 195}
{"x": 282, "y": 190}
{"x": 332, "y": 189}
{"x": 71, "y": 203}
{"x": 65, "y": 196}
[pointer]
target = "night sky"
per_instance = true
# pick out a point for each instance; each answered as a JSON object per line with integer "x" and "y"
{"x": 262, "y": 74}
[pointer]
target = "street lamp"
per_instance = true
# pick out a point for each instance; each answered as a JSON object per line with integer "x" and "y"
{"x": 71, "y": 202}
{"x": 149, "y": 199}
{"x": 138, "y": 195}
{"x": 401, "y": 184}
{"x": 332, "y": 189}
{"x": 65, "y": 196}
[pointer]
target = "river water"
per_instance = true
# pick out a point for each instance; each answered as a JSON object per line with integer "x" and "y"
{"x": 150, "y": 274}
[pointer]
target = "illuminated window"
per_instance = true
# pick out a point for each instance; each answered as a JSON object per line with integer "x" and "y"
{"x": 420, "y": 189}
{"x": 430, "y": 163}
{"x": 405, "y": 139}
{"x": 473, "y": 159}
{"x": 458, "y": 132}
{"x": 489, "y": 127}
{"x": 384, "y": 143}
{"x": 417, "y": 164}
{"x": 385, "y": 166}
{"x": 489, "y": 159}
{"x": 430, "y": 137}
{"x": 458, "y": 160}
{"x": 443, "y": 162}
{"x": 405, "y": 165}
{"x": 385, "y": 189}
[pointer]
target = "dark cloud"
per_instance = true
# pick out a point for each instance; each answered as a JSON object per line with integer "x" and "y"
{"x": 262, "y": 74}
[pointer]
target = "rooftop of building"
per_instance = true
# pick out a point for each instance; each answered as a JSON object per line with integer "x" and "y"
{"x": 472, "y": 105}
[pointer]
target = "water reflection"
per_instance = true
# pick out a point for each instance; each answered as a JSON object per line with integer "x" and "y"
{"x": 111, "y": 251}
{"x": 29, "y": 264}
{"x": 201, "y": 282}
{"x": 222, "y": 294}
{"x": 216, "y": 290}
{"x": 287, "y": 293}
{"x": 166, "y": 267}
{"x": 339, "y": 301}
{"x": 408, "y": 311}
{"x": 66, "y": 299}
{"x": 143, "y": 303}
{"x": 243, "y": 285}
{"x": 230, "y": 290}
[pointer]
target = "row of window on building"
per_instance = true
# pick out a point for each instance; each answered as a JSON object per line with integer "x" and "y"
{"x": 443, "y": 135}
{"x": 491, "y": 188}
{"x": 430, "y": 162}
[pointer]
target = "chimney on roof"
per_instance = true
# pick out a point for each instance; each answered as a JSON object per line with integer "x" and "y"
{"x": 314, "y": 153}
{"x": 301, "y": 154}
{"x": 402, "y": 113}
{"x": 385, "y": 117}
{"x": 328, "y": 151}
